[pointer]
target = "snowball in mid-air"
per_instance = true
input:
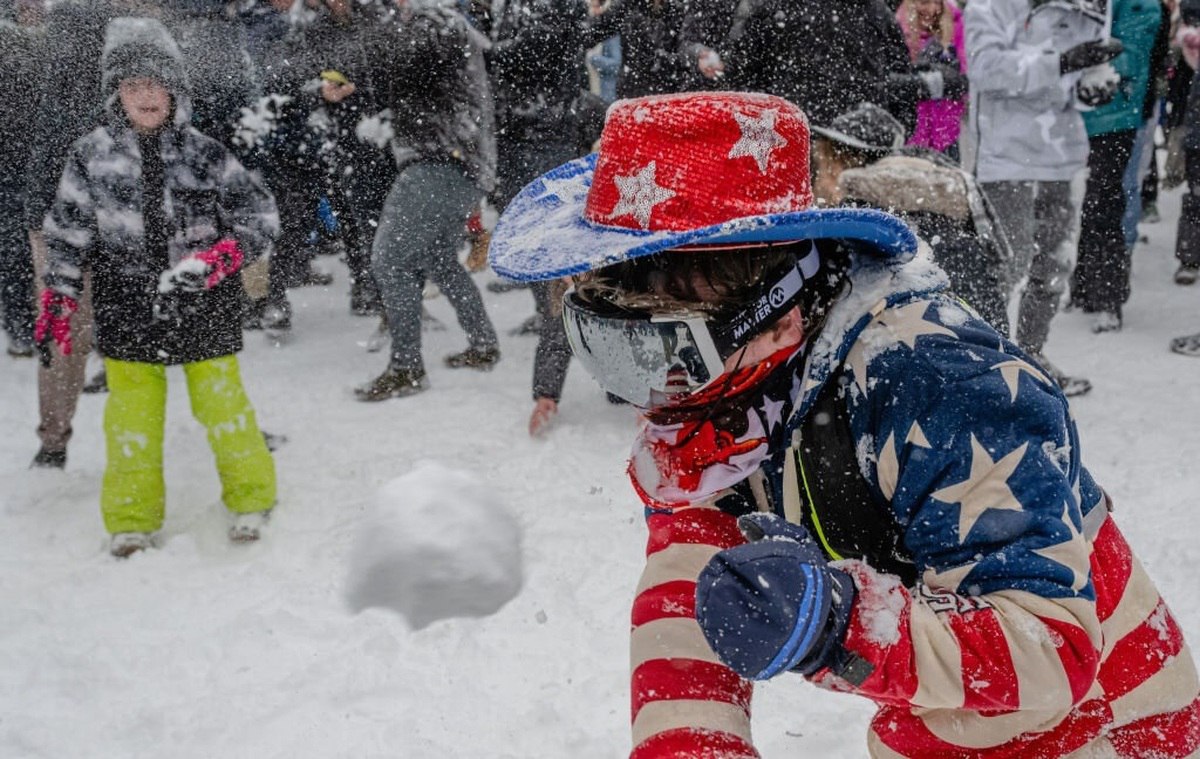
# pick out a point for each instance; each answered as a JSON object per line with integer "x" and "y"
{"x": 436, "y": 543}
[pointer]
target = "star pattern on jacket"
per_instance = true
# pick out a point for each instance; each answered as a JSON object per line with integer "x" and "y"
{"x": 950, "y": 578}
{"x": 639, "y": 195}
{"x": 985, "y": 488}
{"x": 903, "y": 324}
{"x": 888, "y": 466}
{"x": 1070, "y": 553}
{"x": 1010, "y": 372}
{"x": 758, "y": 137}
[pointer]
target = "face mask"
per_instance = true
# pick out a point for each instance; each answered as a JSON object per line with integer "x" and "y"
{"x": 684, "y": 457}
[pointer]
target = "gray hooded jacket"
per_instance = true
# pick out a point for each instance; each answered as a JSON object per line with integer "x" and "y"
{"x": 1024, "y": 113}
{"x": 103, "y": 221}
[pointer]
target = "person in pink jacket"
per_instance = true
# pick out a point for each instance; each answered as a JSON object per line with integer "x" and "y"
{"x": 933, "y": 31}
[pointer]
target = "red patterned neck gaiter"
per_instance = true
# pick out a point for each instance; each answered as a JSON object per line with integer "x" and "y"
{"x": 690, "y": 452}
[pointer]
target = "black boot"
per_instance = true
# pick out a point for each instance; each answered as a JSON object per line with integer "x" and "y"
{"x": 47, "y": 459}
{"x": 393, "y": 383}
{"x": 277, "y": 314}
{"x": 1187, "y": 240}
{"x": 474, "y": 358}
{"x": 97, "y": 384}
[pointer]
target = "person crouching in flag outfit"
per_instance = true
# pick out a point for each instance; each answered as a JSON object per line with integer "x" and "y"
{"x": 847, "y": 473}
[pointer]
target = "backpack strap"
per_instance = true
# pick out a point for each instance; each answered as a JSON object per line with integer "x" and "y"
{"x": 824, "y": 490}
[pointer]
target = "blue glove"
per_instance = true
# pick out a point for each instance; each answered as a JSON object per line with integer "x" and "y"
{"x": 773, "y": 604}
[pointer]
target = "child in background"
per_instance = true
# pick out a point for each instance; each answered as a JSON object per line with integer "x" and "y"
{"x": 933, "y": 32}
{"x": 161, "y": 216}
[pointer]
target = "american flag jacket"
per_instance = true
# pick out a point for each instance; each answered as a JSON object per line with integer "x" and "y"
{"x": 1031, "y": 629}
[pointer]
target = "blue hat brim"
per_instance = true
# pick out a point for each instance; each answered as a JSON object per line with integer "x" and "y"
{"x": 543, "y": 234}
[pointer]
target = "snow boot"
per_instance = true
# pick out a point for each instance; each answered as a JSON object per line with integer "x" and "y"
{"x": 1187, "y": 239}
{"x": 1187, "y": 274}
{"x": 247, "y": 528}
{"x": 97, "y": 384}
{"x": 1188, "y": 345}
{"x": 277, "y": 316}
{"x": 19, "y": 347}
{"x": 125, "y": 544}
{"x": 1106, "y": 321}
{"x": 483, "y": 359}
{"x": 393, "y": 383}
{"x": 47, "y": 459}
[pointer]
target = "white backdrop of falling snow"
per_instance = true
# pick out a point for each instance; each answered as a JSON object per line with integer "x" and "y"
{"x": 202, "y": 649}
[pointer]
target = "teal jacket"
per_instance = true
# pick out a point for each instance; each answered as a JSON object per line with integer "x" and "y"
{"x": 1135, "y": 23}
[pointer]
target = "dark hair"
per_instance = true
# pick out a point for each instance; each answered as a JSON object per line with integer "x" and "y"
{"x": 715, "y": 280}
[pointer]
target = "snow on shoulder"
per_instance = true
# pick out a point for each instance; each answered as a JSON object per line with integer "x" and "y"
{"x": 435, "y": 544}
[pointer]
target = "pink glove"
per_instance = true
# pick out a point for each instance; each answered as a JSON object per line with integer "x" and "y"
{"x": 204, "y": 270}
{"x": 54, "y": 323}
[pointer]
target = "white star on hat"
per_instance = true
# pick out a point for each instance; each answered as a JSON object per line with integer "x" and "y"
{"x": 758, "y": 138}
{"x": 639, "y": 195}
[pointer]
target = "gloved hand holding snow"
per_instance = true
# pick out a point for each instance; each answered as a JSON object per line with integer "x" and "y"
{"x": 256, "y": 123}
{"x": 1098, "y": 85}
{"x": 1085, "y": 55}
{"x": 435, "y": 544}
{"x": 376, "y": 130}
{"x": 203, "y": 270}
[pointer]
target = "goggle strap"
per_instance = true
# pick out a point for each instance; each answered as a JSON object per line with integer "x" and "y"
{"x": 768, "y": 307}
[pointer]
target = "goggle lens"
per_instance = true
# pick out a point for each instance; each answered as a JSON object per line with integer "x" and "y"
{"x": 647, "y": 361}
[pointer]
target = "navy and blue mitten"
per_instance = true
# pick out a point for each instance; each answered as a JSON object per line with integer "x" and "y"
{"x": 773, "y": 604}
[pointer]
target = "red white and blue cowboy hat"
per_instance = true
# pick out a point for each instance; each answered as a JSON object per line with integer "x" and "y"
{"x": 700, "y": 168}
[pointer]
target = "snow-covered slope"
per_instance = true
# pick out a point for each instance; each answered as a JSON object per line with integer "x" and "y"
{"x": 203, "y": 649}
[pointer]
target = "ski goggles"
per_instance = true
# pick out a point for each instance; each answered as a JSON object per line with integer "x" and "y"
{"x": 657, "y": 360}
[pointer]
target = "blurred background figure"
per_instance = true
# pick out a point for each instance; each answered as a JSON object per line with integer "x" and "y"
{"x": 68, "y": 105}
{"x": 1026, "y": 173}
{"x": 20, "y": 39}
{"x": 933, "y": 33}
{"x": 436, "y": 86}
{"x": 1100, "y": 282}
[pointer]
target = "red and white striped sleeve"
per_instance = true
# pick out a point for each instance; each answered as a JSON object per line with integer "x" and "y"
{"x": 685, "y": 703}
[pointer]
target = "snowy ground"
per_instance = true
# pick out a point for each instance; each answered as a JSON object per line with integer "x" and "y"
{"x": 203, "y": 649}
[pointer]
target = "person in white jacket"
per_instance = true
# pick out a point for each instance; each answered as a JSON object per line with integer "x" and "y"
{"x": 1032, "y": 66}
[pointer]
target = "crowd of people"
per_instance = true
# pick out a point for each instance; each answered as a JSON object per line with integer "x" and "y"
{"x": 385, "y": 128}
{"x": 170, "y": 170}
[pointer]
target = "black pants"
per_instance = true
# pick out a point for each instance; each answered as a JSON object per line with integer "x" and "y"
{"x": 297, "y": 197}
{"x": 520, "y": 162}
{"x": 1101, "y": 278}
{"x": 1187, "y": 242}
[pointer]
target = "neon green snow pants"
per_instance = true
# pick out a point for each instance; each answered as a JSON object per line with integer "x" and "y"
{"x": 133, "y": 495}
